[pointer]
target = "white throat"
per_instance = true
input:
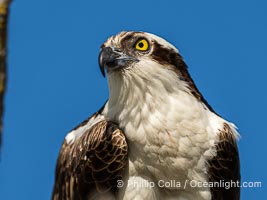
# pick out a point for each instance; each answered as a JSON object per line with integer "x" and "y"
{"x": 142, "y": 89}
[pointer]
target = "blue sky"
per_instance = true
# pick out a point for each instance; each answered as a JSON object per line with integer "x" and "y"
{"x": 54, "y": 81}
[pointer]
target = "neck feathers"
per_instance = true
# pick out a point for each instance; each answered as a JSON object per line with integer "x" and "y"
{"x": 142, "y": 89}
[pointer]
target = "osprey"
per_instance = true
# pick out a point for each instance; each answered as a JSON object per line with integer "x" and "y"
{"x": 155, "y": 138}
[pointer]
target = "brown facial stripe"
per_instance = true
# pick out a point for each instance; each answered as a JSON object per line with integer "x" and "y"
{"x": 129, "y": 37}
{"x": 170, "y": 57}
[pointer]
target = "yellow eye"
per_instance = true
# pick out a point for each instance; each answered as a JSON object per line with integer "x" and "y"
{"x": 142, "y": 45}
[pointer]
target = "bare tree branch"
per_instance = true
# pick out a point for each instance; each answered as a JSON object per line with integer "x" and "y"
{"x": 4, "y": 5}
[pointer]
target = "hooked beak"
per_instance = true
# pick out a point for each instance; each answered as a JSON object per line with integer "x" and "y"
{"x": 112, "y": 58}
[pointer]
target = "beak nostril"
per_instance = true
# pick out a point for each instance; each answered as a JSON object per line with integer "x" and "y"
{"x": 113, "y": 59}
{"x": 108, "y": 57}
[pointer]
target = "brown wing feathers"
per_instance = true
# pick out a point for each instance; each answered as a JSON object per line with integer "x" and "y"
{"x": 90, "y": 167}
{"x": 224, "y": 166}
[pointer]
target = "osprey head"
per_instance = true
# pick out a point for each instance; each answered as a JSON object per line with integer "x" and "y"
{"x": 140, "y": 61}
{"x": 124, "y": 50}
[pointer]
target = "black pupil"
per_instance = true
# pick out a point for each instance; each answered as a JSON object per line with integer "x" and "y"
{"x": 141, "y": 44}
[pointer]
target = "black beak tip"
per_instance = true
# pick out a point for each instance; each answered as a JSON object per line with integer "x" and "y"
{"x": 101, "y": 63}
{"x": 103, "y": 72}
